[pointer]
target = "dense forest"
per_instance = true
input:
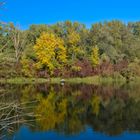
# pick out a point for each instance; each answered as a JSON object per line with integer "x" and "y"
{"x": 70, "y": 49}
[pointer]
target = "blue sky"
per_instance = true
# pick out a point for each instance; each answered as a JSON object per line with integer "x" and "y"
{"x": 27, "y": 12}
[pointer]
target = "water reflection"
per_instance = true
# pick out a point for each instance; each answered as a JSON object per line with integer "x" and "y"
{"x": 70, "y": 109}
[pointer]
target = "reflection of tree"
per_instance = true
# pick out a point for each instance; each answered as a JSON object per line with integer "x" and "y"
{"x": 117, "y": 117}
{"x": 69, "y": 109}
{"x": 52, "y": 111}
{"x": 69, "y": 113}
{"x": 65, "y": 113}
{"x": 59, "y": 112}
{"x": 95, "y": 102}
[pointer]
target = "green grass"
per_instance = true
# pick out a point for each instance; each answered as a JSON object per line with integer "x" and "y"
{"x": 94, "y": 80}
{"x": 87, "y": 80}
{"x": 22, "y": 80}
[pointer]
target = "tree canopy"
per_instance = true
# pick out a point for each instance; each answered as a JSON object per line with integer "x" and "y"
{"x": 70, "y": 49}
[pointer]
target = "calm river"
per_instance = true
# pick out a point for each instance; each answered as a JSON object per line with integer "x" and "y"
{"x": 70, "y": 112}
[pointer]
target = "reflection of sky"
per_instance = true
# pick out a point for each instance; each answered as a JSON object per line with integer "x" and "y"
{"x": 25, "y": 134}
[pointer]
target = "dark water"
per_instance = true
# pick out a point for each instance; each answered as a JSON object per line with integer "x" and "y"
{"x": 70, "y": 112}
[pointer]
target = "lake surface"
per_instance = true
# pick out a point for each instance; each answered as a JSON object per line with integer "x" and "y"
{"x": 70, "y": 112}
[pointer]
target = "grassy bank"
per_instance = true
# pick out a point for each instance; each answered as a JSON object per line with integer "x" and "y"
{"x": 22, "y": 80}
{"x": 87, "y": 80}
{"x": 95, "y": 80}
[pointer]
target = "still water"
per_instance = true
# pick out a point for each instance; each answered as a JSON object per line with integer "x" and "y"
{"x": 70, "y": 112}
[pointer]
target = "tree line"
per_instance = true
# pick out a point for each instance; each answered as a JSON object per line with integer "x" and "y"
{"x": 69, "y": 49}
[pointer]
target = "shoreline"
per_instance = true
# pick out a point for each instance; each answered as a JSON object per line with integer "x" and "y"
{"x": 76, "y": 80}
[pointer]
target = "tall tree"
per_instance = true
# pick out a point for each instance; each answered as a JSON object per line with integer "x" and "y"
{"x": 50, "y": 52}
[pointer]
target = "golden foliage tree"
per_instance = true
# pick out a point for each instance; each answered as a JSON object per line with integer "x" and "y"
{"x": 95, "y": 56}
{"x": 50, "y": 52}
{"x": 73, "y": 44}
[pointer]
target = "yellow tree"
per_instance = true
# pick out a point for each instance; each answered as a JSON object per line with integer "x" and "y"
{"x": 95, "y": 56}
{"x": 73, "y": 44}
{"x": 50, "y": 52}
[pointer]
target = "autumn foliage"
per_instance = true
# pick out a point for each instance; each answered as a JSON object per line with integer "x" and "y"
{"x": 50, "y": 52}
{"x": 69, "y": 49}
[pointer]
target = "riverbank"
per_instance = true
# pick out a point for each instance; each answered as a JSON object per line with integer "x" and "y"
{"x": 23, "y": 80}
{"x": 86, "y": 80}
